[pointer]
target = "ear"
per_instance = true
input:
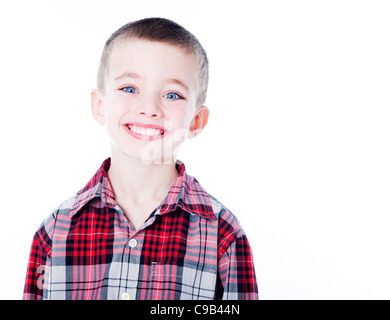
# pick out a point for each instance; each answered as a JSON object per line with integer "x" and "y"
{"x": 199, "y": 122}
{"x": 97, "y": 106}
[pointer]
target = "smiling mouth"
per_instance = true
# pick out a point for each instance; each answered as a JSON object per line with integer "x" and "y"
{"x": 145, "y": 132}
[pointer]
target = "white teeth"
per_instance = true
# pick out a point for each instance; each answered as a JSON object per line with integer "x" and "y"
{"x": 145, "y": 131}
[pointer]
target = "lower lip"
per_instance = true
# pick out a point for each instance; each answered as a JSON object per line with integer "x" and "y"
{"x": 143, "y": 137}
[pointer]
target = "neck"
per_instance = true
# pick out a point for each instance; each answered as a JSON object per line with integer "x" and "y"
{"x": 138, "y": 182}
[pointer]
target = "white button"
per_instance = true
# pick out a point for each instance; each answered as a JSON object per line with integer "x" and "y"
{"x": 133, "y": 243}
{"x": 125, "y": 296}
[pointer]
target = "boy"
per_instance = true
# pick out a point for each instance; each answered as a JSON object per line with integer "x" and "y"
{"x": 142, "y": 228}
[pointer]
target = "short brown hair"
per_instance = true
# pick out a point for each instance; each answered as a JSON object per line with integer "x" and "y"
{"x": 160, "y": 30}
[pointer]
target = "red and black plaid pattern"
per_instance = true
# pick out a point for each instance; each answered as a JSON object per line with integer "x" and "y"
{"x": 191, "y": 247}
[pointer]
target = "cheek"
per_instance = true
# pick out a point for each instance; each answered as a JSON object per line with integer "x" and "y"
{"x": 179, "y": 127}
{"x": 182, "y": 117}
{"x": 180, "y": 131}
{"x": 115, "y": 111}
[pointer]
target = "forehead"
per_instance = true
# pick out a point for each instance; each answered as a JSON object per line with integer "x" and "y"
{"x": 152, "y": 59}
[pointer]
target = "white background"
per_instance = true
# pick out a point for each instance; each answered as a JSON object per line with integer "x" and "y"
{"x": 297, "y": 144}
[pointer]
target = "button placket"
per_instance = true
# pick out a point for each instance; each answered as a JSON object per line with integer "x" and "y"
{"x": 125, "y": 296}
{"x": 133, "y": 243}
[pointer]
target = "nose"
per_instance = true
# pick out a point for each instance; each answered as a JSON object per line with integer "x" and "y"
{"x": 150, "y": 107}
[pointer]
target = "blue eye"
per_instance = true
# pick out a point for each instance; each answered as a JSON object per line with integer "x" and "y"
{"x": 129, "y": 90}
{"x": 172, "y": 96}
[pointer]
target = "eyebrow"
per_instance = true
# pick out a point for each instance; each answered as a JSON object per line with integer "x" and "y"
{"x": 134, "y": 75}
{"x": 128, "y": 75}
{"x": 178, "y": 82}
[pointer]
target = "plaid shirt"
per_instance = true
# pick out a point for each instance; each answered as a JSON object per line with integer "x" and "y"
{"x": 190, "y": 247}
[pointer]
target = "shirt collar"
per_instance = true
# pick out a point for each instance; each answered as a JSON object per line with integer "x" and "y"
{"x": 186, "y": 193}
{"x": 98, "y": 187}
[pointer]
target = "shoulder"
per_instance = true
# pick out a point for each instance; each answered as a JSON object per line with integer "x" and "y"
{"x": 229, "y": 227}
{"x": 43, "y": 237}
{"x": 60, "y": 212}
{"x": 228, "y": 222}
{"x": 64, "y": 208}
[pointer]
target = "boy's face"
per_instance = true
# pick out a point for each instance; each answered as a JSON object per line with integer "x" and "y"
{"x": 149, "y": 103}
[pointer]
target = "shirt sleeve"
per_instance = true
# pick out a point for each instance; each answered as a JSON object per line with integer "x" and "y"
{"x": 236, "y": 272}
{"x": 38, "y": 267}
